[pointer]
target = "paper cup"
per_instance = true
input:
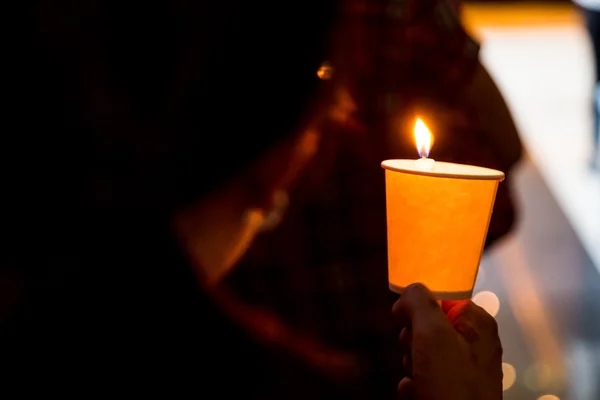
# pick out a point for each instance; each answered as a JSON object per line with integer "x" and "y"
{"x": 437, "y": 222}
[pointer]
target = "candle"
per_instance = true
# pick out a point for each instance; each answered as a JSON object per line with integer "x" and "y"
{"x": 423, "y": 140}
{"x": 437, "y": 219}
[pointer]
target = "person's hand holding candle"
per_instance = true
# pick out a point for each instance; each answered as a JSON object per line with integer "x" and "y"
{"x": 450, "y": 353}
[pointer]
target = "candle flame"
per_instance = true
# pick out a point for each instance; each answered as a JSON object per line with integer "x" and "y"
{"x": 423, "y": 138}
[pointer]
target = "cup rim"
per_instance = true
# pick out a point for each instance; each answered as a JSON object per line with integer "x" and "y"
{"x": 444, "y": 170}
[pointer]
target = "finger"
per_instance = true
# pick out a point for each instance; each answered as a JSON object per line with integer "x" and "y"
{"x": 406, "y": 388}
{"x": 417, "y": 308}
{"x": 466, "y": 313}
{"x": 469, "y": 313}
{"x": 407, "y": 365}
{"x": 453, "y": 308}
{"x": 405, "y": 339}
{"x": 484, "y": 319}
{"x": 480, "y": 330}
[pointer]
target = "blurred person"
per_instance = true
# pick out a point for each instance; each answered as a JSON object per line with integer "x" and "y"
{"x": 390, "y": 65}
{"x": 146, "y": 148}
{"x": 591, "y": 13}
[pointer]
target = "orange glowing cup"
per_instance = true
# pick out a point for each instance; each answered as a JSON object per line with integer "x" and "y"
{"x": 437, "y": 220}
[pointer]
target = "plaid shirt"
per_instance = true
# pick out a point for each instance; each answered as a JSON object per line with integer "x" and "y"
{"x": 323, "y": 271}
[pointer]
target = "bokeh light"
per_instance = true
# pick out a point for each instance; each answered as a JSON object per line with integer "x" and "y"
{"x": 510, "y": 375}
{"x": 488, "y": 301}
{"x": 548, "y": 397}
{"x": 537, "y": 376}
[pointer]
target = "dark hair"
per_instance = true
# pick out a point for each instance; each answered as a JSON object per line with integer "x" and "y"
{"x": 145, "y": 101}
{"x": 124, "y": 111}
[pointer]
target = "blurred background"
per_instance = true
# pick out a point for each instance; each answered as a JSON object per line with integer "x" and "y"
{"x": 543, "y": 281}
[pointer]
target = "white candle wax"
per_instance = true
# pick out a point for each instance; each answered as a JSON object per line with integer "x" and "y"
{"x": 425, "y": 163}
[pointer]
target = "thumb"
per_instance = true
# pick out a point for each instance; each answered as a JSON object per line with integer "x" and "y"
{"x": 417, "y": 308}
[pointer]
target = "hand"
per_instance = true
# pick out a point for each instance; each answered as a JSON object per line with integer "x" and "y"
{"x": 451, "y": 352}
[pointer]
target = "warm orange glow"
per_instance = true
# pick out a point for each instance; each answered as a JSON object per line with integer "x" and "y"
{"x": 423, "y": 138}
{"x": 436, "y": 230}
{"x": 325, "y": 71}
{"x": 437, "y": 223}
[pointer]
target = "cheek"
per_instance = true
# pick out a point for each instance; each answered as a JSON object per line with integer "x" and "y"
{"x": 280, "y": 169}
{"x": 268, "y": 174}
{"x": 214, "y": 247}
{"x": 240, "y": 242}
